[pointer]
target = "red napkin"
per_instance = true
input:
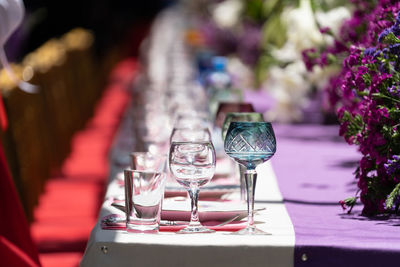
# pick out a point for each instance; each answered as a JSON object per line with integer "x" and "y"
{"x": 230, "y": 227}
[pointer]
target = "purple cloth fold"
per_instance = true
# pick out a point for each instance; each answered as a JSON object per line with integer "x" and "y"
{"x": 314, "y": 168}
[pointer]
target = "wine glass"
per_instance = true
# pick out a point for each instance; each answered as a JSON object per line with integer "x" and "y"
{"x": 193, "y": 165}
{"x": 190, "y": 134}
{"x": 240, "y": 116}
{"x": 225, "y": 107}
{"x": 250, "y": 144}
{"x": 195, "y": 120}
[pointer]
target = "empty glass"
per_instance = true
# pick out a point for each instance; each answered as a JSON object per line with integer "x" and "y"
{"x": 250, "y": 144}
{"x": 190, "y": 135}
{"x": 144, "y": 192}
{"x": 225, "y": 107}
{"x": 193, "y": 165}
{"x": 199, "y": 120}
{"x": 146, "y": 161}
{"x": 240, "y": 116}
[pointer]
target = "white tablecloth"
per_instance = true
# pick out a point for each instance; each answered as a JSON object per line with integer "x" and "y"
{"x": 119, "y": 248}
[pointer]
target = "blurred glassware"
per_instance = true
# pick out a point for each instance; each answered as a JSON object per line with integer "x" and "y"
{"x": 190, "y": 135}
{"x": 146, "y": 161}
{"x": 219, "y": 85}
{"x": 226, "y": 107}
{"x": 194, "y": 120}
{"x": 239, "y": 116}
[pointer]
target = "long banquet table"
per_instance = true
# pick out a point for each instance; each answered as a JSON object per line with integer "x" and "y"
{"x": 299, "y": 188}
{"x": 117, "y": 247}
{"x": 310, "y": 172}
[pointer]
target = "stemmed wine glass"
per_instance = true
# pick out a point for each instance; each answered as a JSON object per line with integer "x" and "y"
{"x": 193, "y": 165}
{"x": 190, "y": 134}
{"x": 250, "y": 144}
{"x": 240, "y": 116}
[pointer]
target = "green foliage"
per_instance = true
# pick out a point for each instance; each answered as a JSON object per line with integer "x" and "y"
{"x": 254, "y": 10}
{"x": 392, "y": 196}
{"x": 390, "y": 39}
{"x": 272, "y": 32}
{"x": 355, "y": 124}
{"x": 350, "y": 201}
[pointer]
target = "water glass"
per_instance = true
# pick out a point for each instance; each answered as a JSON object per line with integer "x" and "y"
{"x": 146, "y": 161}
{"x": 144, "y": 192}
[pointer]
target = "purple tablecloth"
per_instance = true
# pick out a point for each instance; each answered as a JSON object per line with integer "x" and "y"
{"x": 314, "y": 169}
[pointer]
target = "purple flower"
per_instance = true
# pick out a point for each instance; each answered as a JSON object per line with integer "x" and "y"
{"x": 367, "y": 90}
{"x": 309, "y": 58}
{"x": 397, "y": 23}
{"x": 392, "y": 166}
{"x": 325, "y": 30}
{"x": 395, "y": 49}
{"x": 394, "y": 91}
{"x": 370, "y": 51}
{"x": 352, "y": 60}
{"x": 249, "y": 44}
{"x": 383, "y": 34}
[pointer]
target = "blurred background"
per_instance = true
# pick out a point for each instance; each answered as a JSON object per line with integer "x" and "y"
{"x": 111, "y": 22}
{"x": 75, "y": 52}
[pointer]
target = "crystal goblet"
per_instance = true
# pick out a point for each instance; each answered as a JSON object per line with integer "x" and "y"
{"x": 250, "y": 144}
{"x": 240, "y": 116}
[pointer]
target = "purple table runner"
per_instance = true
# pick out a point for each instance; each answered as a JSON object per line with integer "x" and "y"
{"x": 314, "y": 169}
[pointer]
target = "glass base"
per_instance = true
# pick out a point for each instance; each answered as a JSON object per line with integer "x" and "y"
{"x": 251, "y": 231}
{"x": 195, "y": 230}
{"x": 143, "y": 227}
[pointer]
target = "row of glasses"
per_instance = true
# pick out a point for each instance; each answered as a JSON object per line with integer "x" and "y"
{"x": 170, "y": 94}
{"x": 165, "y": 97}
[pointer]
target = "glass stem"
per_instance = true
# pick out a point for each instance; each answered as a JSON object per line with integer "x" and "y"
{"x": 194, "y": 197}
{"x": 251, "y": 179}
{"x": 242, "y": 170}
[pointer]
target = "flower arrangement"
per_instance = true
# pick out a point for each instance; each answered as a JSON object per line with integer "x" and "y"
{"x": 282, "y": 69}
{"x": 366, "y": 94}
{"x": 264, "y": 41}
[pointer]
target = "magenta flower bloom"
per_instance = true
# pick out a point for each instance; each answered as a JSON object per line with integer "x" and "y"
{"x": 367, "y": 92}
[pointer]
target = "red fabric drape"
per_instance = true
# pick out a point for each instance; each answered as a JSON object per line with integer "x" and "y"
{"x": 3, "y": 115}
{"x": 16, "y": 246}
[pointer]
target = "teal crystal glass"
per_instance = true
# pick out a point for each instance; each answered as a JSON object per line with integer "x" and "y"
{"x": 240, "y": 116}
{"x": 250, "y": 144}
